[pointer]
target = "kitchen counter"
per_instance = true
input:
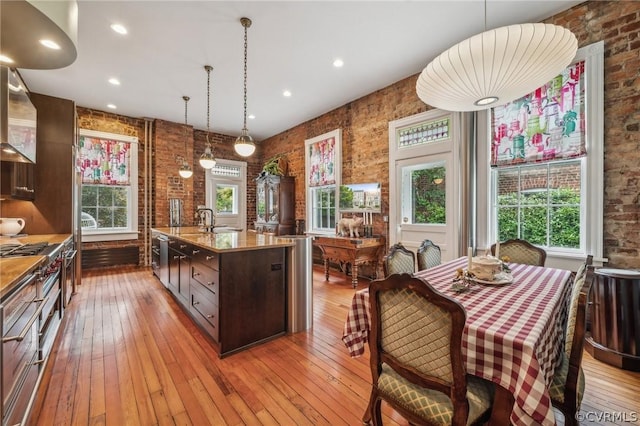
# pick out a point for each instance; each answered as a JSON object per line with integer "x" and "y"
{"x": 14, "y": 269}
{"x": 224, "y": 242}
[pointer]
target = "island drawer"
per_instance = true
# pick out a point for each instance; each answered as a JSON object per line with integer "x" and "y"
{"x": 206, "y": 278}
{"x": 206, "y": 257}
{"x": 205, "y": 311}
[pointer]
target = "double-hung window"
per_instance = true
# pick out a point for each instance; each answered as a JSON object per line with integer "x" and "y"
{"x": 323, "y": 171}
{"x": 108, "y": 164}
{"x": 546, "y": 157}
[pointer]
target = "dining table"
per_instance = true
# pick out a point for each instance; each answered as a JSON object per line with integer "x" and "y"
{"x": 513, "y": 334}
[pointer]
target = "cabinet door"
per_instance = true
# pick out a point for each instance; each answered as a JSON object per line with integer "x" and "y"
{"x": 261, "y": 202}
{"x": 174, "y": 271}
{"x": 273, "y": 202}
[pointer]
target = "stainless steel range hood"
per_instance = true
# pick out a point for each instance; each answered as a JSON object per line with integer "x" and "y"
{"x": 17, "y": 119}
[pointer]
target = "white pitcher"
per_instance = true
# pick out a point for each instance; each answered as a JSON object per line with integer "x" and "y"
{"x": 11, "y": 225}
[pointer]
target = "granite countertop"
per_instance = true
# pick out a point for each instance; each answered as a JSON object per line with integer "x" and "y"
{"x": 228, "y": 241}
{"x": 14, "y": 269}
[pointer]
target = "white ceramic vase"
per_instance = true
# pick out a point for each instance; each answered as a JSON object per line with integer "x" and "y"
{"x": 11, "y": 225}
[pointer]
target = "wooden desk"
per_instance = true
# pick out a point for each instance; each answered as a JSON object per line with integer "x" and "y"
{"x": 355, "y": 251}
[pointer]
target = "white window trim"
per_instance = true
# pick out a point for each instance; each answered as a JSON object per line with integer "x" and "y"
{"x": 593, "y": 168}
{"x": 337, "y": 134}
{"x": 240, "y": 181}
{"x": 132, "y": 232}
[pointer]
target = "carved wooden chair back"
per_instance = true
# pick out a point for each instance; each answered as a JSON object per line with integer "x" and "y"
{"x": 521, "y": 251}
{"x": 416, "y": 355}
{"x": 399, "y": 260}
{"x": 567, "y": 388}
{"x": 429, "y": 255}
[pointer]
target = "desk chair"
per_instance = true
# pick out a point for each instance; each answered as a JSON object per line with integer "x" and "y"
{"x": 416, "y": 356}
{"x": 567, "y": 388}
{"x": 399, "y": 260}
{"x": 521, "y": 251}
{"x": 428, "y": 255}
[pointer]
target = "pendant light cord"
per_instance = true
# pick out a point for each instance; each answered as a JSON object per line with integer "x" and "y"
{"x": 186, "y": 100}
{"x": 246, "y": 25}
{"x": 208, "y": 68}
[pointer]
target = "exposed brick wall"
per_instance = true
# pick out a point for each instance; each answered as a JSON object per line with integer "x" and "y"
{"x": 618, "y": 24}
{"x": 111, "y": 123}
{"x": 364, "y": 124}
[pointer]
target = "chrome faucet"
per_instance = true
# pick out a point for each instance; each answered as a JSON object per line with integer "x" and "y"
{"x": 201, "y": 215}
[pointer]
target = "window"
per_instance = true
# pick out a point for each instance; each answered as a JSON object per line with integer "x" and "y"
{"x": 323, "y": 207}
{"x": 547, "y": 153}
{"x": 225, "y": 189}
{"x": 108, "y": 166}
{"x": 541, "y": 203}
{"x": 323, "y": 171}
{"x": 424, "y": 193}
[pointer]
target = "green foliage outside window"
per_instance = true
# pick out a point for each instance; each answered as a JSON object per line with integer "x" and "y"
{"x": 559, "y": 217}
{"x": 106, "y": 204}
{"x": 429, "y": 195}
{"x": 224, "y": 199}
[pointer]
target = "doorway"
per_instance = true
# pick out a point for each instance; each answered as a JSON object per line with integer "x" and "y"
{"x": 426, "y": 181}
{"x": 226, "y": 193}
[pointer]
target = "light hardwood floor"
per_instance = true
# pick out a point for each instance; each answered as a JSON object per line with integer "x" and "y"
{"x": 128, "y": 354}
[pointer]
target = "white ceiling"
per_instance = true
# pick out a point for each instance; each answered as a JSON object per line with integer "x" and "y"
{"x": 291, "y": 46}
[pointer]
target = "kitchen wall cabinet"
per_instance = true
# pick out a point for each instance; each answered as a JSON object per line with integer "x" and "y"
{"x": 275, "y": 204}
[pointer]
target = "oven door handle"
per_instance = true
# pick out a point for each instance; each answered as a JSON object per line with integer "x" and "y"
{"x": 20, "y": 337}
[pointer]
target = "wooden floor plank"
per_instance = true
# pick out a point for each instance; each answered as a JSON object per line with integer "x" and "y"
{"x": 128, "y": 354}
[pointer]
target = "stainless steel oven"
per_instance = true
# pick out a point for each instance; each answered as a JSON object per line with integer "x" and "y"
{"x": 68, "y": 279}
{"x": 19, "y": 353}
{"x": 31, "y": 314}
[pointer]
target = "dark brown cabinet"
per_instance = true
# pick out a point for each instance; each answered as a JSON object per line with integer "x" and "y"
{"x": 239, "y": 302}
{"x": 179, "y": 269}
{"x": 275, "y": 204}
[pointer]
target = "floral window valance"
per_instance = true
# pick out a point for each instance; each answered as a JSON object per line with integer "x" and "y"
{"x": 547, "y": 124}
{"x": 322, "y": 162}
{"x": 104, "y": 161}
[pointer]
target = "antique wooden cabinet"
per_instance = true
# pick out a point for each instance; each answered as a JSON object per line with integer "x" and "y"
{"x": 275, "y": 204}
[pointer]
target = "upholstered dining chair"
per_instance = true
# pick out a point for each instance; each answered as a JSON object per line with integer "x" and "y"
{"x": 416, "y": 361}
{"x": 521, "y": 251}
{"x": 567, "y": 387}
{"x": 428, "y": 255}
{"x": 399, "y": 260}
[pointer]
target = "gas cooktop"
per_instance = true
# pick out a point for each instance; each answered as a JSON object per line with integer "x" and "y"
{"x": 30, "y": 249}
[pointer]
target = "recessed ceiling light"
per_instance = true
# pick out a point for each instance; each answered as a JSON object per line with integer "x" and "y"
{"x": 50, "y": 44}
{"x": 120, "y": 29}
{"x": 251, "y": 116}
{"x": 111, "y": 106}
{"x": 114, "y": 81}
{"x": 6, "y": 59}
{"x": 286, "y": 94}
{"x": 338, "y": 63}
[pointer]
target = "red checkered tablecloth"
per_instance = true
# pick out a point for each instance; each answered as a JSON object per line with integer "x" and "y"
{"x": 513, "y": 336}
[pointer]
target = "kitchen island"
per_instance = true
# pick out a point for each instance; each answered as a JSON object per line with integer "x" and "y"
{"x": 232, "y": 284}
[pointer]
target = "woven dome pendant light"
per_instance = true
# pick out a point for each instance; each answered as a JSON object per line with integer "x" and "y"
{"x": 206, "y": 159}
{"x": 244, "y": 144}
{"x": 185, "y": 170}
{"x": 496, "y": 66}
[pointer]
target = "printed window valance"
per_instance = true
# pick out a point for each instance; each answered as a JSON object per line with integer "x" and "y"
{"x": 547, "y": 124}
{"x": 322, "y": 158}
{"x": 104, "y": 161}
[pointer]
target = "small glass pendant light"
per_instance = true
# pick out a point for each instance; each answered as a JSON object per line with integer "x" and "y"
{"x": 185, "y": 170}
{"x": 244, "y": 144}
{"x": 206, "y": 159}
